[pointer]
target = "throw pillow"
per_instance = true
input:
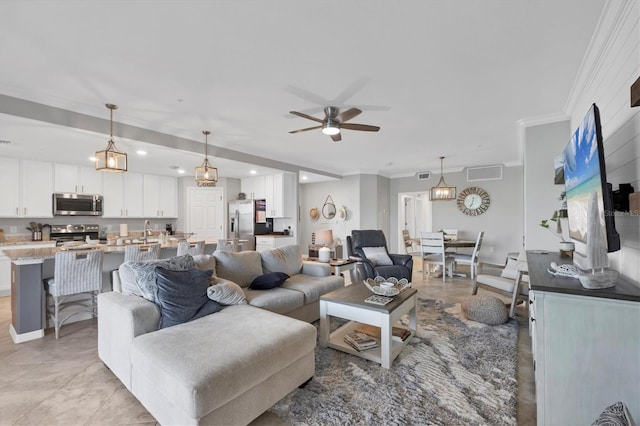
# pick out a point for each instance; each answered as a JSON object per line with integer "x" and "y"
{"x": 268, "y": 281}
{"x": 615, "y": 415}
{"x": 240, "y": 267}
{"x": 512, "y": 268}
{"x": 226, "y": 292}
{"x": 377, "y": 255}
{"x": 287, "y": 259}
{"x": 145, "y": 274}
{"x": 182, "y": 295}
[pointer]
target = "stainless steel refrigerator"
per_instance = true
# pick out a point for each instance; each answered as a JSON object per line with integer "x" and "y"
{"x": 247, "y": 218}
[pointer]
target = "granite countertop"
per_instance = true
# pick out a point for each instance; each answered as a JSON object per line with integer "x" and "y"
{"x": 23, "y": 242}
{"x": 33, "y": 255}
{"x": 273, "y": 235}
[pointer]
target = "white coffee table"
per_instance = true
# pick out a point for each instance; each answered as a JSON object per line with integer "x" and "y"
{"x": 348, "y": 303}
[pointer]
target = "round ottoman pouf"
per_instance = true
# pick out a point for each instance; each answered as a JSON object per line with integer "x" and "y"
{"x": 485, "y": 309}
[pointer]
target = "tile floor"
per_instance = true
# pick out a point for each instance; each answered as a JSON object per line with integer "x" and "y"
{"x": 63, "y": 382}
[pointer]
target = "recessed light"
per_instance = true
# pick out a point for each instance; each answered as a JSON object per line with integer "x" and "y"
{"x": 253, "y": 172}
{"x": 181, "y": 171}
{"x": 141, "y": 152}
{"x": 304, "y": 178}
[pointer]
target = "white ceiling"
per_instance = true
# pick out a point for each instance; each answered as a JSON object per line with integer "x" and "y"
{"x": 441, "y": 78}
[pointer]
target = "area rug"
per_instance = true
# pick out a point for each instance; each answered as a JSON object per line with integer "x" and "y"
{"x": 453, "y": 372}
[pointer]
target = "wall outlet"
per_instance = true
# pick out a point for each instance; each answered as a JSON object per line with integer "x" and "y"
{"x": 491, "y": 249}
{"x": 13, "y": 229}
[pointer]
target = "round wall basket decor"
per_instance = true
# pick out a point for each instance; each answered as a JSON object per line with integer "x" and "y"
{"x": 314, "y": 214}
{"x": 342, "y": 213}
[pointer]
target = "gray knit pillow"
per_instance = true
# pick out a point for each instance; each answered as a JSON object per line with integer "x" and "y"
{"x": 485, "y": 309}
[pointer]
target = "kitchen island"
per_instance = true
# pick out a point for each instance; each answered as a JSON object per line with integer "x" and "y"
{"x": 30, "y": 266}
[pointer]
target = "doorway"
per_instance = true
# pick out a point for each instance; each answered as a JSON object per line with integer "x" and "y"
{"x": 414, "y": 215}
{"x": 205, "y": 213}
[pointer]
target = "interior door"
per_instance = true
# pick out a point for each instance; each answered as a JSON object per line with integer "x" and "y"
{"x": 205, "y": 217}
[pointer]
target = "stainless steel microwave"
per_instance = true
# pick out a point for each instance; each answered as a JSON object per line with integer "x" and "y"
{"x": 71, "y": 204}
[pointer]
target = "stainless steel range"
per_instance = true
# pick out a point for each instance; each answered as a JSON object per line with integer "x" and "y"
{"x": 62, "y": 233}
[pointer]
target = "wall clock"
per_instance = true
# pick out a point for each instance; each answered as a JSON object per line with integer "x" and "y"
{"x": 473, "y": 201}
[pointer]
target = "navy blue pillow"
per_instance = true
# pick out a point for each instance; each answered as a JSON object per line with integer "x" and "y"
{"x": 268, "y": 281}
{"x": 182, "y": 295}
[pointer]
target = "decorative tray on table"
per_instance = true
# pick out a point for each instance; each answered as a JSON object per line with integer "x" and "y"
{"x": 387, "y": 286}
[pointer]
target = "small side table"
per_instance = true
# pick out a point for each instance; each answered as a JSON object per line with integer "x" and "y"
{"x": 338, "y": 266}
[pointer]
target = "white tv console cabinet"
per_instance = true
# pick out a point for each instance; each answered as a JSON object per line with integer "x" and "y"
{"x": 586, "y": 345}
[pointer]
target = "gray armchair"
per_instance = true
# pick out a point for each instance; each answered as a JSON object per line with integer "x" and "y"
{"x": 369, "y": 247}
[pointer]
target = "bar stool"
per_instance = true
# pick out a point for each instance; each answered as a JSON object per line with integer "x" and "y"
{"x": 138, "y": 253}
{"x": 74, "y": 273}
{"x": 185, "y": 247}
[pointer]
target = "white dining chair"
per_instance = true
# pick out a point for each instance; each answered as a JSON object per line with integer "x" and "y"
{"x": 75, "y": 273}
{"x": 451, "y": 235}
{"x": 470, "y": 259}
{"x": 432, "y": 249}
{"x": 138, "y": 253}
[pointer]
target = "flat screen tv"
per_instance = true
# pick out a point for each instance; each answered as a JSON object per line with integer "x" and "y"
{"x": 584, "y": 173}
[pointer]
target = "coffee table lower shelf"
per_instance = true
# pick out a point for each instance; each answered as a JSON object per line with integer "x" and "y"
{"x": 336, "y": 341}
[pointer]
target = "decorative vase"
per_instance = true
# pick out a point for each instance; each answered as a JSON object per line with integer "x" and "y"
{"x": 324, "y": 254}
{"x": 566, "y": 249}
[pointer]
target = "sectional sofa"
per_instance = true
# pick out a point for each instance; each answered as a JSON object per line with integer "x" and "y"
{"x": 227, "y": 367}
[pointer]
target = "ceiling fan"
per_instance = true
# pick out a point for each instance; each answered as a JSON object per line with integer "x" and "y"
{"x": 335, "y": 120}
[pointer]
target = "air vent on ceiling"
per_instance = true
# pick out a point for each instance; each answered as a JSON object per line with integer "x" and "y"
{"x": 475, "y": 174}
{"x": 423, "y": 175}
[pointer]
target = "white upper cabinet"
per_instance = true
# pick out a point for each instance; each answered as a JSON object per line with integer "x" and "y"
{"x": 254, "y": 187}
{"x": 83, "y": 180}
{"x": 279, "y": 195}
{"x": 122, "y": 195}
{"x": 26, "y": 188}
{"x": 160, "y": 196}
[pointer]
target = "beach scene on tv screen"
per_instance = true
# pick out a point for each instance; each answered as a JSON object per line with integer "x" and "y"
{"x": 582, "y": 177}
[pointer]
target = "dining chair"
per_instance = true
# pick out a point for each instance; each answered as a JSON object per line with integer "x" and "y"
{"x": 450, "y": 234}
{"x": 138, "y": 253}
{"x": 75, "y": 273}
{"x": 194, "y": 249}
{"x": 433, "y": 253}
{"x": 469, "y": 259}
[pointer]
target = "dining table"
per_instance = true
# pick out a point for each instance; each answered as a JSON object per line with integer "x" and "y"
{"x": 450, "y": 244}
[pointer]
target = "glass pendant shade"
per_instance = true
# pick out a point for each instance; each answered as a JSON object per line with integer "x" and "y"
{"x": 442, "y": 191}
{"x": 110, "y": 159}
{"x": 206, "y": 174}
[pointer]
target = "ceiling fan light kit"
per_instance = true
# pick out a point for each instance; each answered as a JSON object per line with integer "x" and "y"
{"x": 110, "y": 159}
{"x": 206, "y": 175}
{"x": 442, "y": 191}
{"x": 334, "y": 121}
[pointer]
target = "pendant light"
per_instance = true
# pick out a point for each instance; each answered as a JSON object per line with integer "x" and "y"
{"x": 111, "y": 160}
{"x": 206, "y": 174}
{"x": 442, "y": 191}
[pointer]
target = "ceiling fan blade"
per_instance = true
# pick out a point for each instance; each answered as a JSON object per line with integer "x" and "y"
{"x": 304, "y": 130}
{"x": 348, "y": 114}
{"x": 308, "y": 117}
{"x": 336, "y": 138}
{"x": 362, "y": 127}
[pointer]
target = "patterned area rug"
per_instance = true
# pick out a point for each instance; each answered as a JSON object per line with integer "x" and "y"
{"x": 454, "y": 372}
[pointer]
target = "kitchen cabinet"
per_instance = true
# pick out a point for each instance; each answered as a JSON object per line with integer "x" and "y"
{"x": 160, "y": 196}
{"x": 585, "y": 344}
{"x": 267, "y": 242}
{"x": 5, "y": 263}
{"x": 83, "y": 180}
{"x": 123, "y": 196}
{"x": 25, "y": 188}
{"x": 253, "y": 187}
{"x": 279, "y": 195}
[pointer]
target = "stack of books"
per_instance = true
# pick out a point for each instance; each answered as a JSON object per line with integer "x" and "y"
{"x": 360, "y": 341}
{"x": 397, "y": 333}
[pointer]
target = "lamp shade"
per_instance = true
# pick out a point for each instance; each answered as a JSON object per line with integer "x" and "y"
{"x": 324, "y": 236}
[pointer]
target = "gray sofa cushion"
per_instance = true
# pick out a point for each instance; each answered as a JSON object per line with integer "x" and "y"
{"x": 240, "y": 267}
{"x": 200, "y": 369}
{"x": 313, "y": 287}
{"x": 139, "y": 278}
{"x": 287, "y": 259}
{"x": 279, "y": 300}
